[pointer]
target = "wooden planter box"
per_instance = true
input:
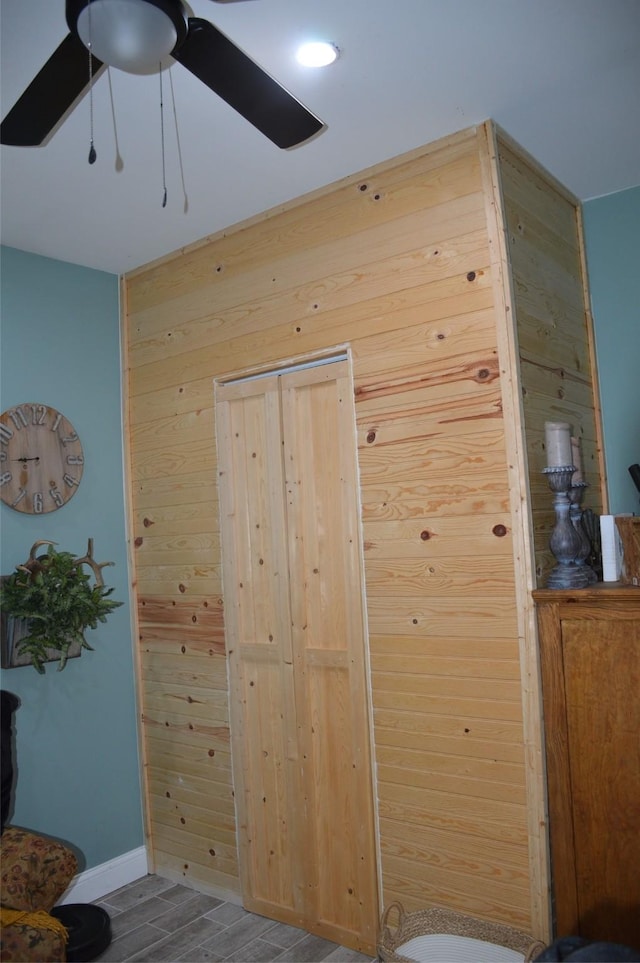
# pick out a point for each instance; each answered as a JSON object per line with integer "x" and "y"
{"x": 12, "y": 631}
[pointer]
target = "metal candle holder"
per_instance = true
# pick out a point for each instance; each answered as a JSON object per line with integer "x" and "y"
{"x": 565, "y": 542}
{"x": 576, "y": 494}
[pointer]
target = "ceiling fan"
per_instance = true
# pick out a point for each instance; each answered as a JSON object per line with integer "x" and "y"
{"x": 136, "y": 36}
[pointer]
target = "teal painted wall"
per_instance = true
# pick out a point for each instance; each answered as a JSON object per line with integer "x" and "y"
{"x": 77, "y": 748}
{"x": 612, "y": 237}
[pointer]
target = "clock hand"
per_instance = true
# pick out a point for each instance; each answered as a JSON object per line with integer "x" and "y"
{"x": 36, "y": 458}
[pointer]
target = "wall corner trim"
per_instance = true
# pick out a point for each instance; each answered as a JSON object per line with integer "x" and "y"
{"x": 97, "y": 882}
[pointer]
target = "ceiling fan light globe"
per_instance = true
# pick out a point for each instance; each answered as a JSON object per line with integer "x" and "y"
{"x": 133, "y": 35}
{"x": 319, "y": 53}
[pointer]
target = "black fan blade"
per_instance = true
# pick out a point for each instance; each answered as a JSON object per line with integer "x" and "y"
{"x": 245, "y": 86}
{"x": 56, "y": 88}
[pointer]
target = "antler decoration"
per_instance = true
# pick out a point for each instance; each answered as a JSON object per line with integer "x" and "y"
{"x": 35, "y": 564}
{"x": 96, "y": 566}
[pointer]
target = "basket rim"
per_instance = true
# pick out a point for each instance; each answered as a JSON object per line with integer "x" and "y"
{"x": 435, "y": 920}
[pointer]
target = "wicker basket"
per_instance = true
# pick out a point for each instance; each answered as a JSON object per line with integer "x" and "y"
{"x": 438, "y": 920}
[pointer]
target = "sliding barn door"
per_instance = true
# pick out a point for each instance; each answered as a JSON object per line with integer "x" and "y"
{"x": 293, "y": 611}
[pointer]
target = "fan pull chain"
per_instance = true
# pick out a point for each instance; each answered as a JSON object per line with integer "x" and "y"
{"x": 164, "y": 177}
{"x": 92, "y": 150}
{"x": 185, "y": 206}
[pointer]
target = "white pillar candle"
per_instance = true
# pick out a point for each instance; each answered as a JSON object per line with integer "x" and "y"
{"x": 558, "y": 444}
{"x": 576, "y": 461}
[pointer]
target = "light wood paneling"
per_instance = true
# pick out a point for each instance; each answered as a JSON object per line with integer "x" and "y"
{"x": 400, "y": 266}
{"x": 554, "y": 328}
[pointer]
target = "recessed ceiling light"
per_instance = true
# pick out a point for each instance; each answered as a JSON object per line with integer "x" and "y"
{"x": 318, "y": 54}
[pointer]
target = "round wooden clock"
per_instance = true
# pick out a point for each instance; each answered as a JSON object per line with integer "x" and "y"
{"x": 41, "y": 459}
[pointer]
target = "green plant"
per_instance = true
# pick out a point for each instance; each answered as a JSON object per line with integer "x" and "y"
{"x": 54, "y": 596}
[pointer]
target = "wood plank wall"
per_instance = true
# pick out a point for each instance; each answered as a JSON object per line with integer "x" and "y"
{"x": 554, "y": 329}
{"x": 395, "y": 264}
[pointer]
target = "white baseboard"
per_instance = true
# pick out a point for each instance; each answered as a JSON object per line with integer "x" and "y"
{"x": 93, "y": 884}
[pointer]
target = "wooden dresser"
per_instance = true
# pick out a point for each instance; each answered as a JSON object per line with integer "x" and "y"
{"x": 590, "y": 664}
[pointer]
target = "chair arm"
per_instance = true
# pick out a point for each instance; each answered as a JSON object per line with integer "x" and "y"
{"x": 36, "y": 870}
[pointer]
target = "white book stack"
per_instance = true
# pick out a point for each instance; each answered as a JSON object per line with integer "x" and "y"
{"x": 612, "y": 549}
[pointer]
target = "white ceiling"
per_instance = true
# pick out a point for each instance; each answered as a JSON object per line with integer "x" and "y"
{"x": 561, "y": 76}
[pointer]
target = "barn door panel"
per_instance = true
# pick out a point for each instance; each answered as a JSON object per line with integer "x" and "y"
{"x": 329, "y": 652}
{"x": 259, "y": 643}
{"x": 295, "y": 631}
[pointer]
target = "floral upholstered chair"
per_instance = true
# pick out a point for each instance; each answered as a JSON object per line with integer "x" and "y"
{"x": 34, "y": 873}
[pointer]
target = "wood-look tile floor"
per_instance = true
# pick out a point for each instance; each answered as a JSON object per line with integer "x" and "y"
{"x": 158, "y": 921}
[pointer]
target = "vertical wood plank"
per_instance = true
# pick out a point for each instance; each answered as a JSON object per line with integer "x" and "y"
{"x": 259, "y": 643}
{"x": 593, "y": 359}
{"x": 329, "y": 650}
{"x": 148, "y": 822}
{"x": 515, "y": 437}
